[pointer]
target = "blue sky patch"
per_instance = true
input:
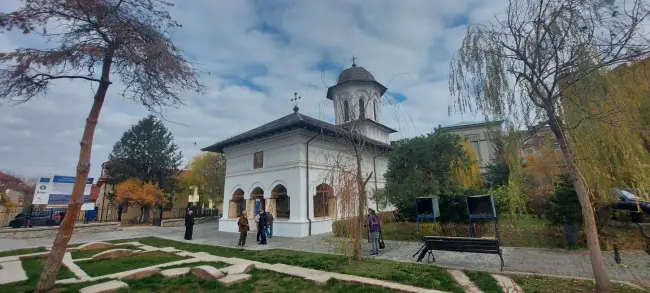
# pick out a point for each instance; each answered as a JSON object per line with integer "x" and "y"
{"x": 397, "y": 96}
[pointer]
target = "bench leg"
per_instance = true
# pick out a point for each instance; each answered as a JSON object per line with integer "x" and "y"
{"x": 501, "y": 256}
{"x": 431, "y": 256}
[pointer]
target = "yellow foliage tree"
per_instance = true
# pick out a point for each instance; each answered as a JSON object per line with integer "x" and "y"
{"x": 609, "y": 112}
{"x": 468, "y": 176}
{"x": 134, "y": 192}
{"x": 208, "y": 174}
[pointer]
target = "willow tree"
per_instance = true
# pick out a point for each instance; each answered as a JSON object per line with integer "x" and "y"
{"x": 517, "y": 66}
{"x": 611, "y": 112}
{"x": 95, "y": 41}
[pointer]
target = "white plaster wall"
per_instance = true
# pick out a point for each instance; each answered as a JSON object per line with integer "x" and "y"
{"x": 486, "y": 144}
{"x": 373, "y": 131}
{"x": 284, "y": 163}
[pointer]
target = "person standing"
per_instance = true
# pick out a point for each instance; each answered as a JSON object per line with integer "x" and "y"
{"x": 243, "y": 229}
{"x": 374, "y": 227}
{"x": 189, "y": 224}
{"x": 257, "y": 224}
{"x": 264, "y": 221}
{"x": 269, "y": 230}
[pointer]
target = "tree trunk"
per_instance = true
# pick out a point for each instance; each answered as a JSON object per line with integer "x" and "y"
{"x": 53, "y": 261}
{"x": 603, "y": 284}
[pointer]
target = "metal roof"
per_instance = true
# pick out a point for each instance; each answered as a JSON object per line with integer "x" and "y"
{"x": 292, "y": 121}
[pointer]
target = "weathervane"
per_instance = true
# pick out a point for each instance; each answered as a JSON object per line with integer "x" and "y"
{"x": 295, "y": 101}
{"x": 354, "y": 63}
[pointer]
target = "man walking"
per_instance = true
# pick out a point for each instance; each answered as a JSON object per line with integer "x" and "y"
{"x": 257, "y": 224}
{"x": 189, "y": 224}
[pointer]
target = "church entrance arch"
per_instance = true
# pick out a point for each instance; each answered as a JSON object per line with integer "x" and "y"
{"x": 281, "y": 198}
{"x": 257, "y": 196}
{"x": 237, "y": 204}
{"x": 324, "y": 201}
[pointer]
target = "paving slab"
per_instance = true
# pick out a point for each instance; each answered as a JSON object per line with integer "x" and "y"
{"x": 207, "y": 273}
{"x": 113, "y": 253}
{"x": 73, "y": 267}
{"x": 169, "y": 249}
{"x": 140, "y": 274}
{"x": 507, "y": 285}
{"x": 238, "y": 269}
{"x": 108, "y": 287}
{"x": 234, "y": 279}
{"x": 95, "y": 245}
{"x": 464, "y": 281}
{"x": 9, "y": 258}
{"x": 320, "y": 280}
{"x": 12, "y": 271}
{"x": 175, "y": 273}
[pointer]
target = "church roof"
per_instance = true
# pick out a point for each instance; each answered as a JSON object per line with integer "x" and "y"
{"x": 355, "y": 74}
{"x": 292, "y": 121}
{"x": 461, "y": 125}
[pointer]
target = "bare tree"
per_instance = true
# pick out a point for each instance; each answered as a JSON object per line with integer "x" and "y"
{"x": 518, "y": 65}
{"x": 95, "y": 38}
{"x": 351, "y": 165}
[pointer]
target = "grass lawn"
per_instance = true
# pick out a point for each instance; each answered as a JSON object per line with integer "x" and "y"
{"x": 484, "y": 281}
{"x": 22, "y": 251}
{"x": 538, "y": 284}
{"x": 262, "y": 281}
{"x": 431, "y": 277}
{"x": 215, "y": 264}
{"x": 100, "y": 267}
{"x": 33, "y": 267}
{"x": 90, "y": 253}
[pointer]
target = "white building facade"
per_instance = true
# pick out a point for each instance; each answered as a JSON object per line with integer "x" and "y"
{"x": 481, "y": 135}
{"x": 286, "y": 166}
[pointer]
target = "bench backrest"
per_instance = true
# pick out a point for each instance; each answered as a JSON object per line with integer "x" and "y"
{"x": 462, "y": 244}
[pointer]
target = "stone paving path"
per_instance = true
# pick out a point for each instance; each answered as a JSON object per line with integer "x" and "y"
{"x": 636, "y": 265}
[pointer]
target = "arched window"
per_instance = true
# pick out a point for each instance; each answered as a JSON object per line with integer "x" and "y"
{"x": 374, "y": 102}
{"x": 324, "y": 204}
{"x": 239, "y": 204}
{"x": 256, "y": 194}
{"x": 281, "y": 202}
{"x": 362, "y": 109}
{"x": 346, "y": 111}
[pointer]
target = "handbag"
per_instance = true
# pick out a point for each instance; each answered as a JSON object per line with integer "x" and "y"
{"x": 382, "y": 245}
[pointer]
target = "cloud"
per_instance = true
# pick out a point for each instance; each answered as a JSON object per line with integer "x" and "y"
{"x": 255, "y": 55}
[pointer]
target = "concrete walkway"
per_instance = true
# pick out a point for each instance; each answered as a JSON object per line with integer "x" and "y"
{"x": 636, "y": 265}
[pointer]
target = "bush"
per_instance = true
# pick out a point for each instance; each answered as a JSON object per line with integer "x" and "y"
{"x": 564, "y": 204}
{"x": 511, "y": 234}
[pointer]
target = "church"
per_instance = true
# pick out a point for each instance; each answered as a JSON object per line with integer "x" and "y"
{"x": 283, "y": 166}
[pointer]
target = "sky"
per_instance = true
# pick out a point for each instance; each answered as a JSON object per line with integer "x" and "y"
{"x": 253, "y": 55}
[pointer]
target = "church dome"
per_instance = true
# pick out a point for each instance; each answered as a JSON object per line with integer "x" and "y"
{"x": 355, "y": 73}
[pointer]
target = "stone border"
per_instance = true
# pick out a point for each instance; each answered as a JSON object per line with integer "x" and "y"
{"x": 181, "y": 222}
{"x": 51, "y": 231}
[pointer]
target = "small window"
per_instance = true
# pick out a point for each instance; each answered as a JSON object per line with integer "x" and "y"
{"x": 374, "y": 102}
{"x": 362, "y": 109}
{"x": 258, "y": 160}
{"x": 346, "y": 111}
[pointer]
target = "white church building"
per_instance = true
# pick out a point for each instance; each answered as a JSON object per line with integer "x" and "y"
{"x": 283, "y": 166}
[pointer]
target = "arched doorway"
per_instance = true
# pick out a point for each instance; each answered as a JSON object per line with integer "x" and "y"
{"x": 237, "y": 204}
{"x": 257, "y": 195}
{"x": 324, "y": 201}
{"x": 279, "y": 193}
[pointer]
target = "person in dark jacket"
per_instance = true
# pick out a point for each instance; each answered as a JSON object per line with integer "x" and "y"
{"x": 243, "y": 229}
{"x": 189, "y": 224}
{"x": 269, "y": 229}
{"x": 264, "y": 221}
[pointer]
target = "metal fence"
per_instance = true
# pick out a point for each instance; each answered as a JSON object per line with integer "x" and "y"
{"x": 28, "y": 217}
{"x": 198, "y": 213}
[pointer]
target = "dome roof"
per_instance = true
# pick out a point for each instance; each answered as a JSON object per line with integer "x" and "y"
{"x": 355, "y": 73}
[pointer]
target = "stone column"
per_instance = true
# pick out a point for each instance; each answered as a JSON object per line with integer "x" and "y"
{"x": 270, "y": 207}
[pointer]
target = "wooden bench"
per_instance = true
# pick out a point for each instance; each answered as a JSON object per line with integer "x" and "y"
{"x": 460, "y": 244}
{"x": 647, "y": 239}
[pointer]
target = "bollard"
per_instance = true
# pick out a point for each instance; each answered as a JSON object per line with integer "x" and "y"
{"x": 617, "y": 255}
